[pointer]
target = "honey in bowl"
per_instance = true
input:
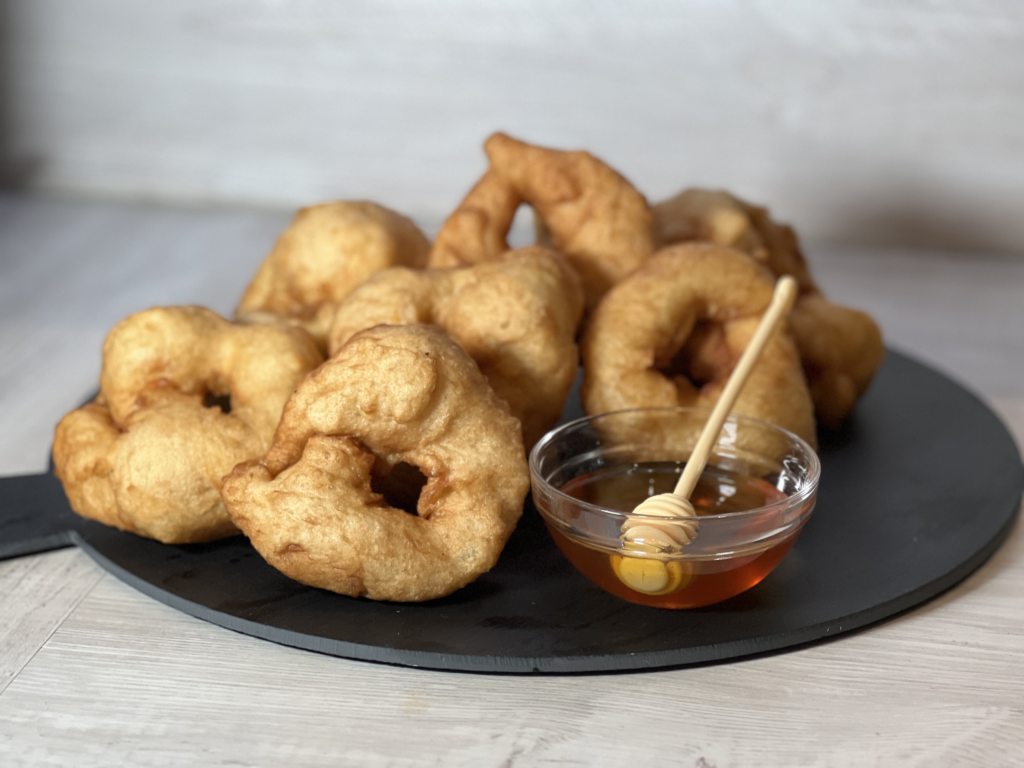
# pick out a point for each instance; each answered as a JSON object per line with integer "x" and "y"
{"x": 753, "y": 497}
{"x": 689, "y": 581}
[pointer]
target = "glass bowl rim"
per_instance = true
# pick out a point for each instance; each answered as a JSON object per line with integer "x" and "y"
{"x": 807, "y": 492}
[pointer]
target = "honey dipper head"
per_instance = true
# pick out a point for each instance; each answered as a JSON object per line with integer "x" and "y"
{"x": 678, "y": 528}
{"x": 671, "y": 524}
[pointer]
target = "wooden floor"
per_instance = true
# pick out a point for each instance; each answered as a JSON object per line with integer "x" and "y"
{"x": 94, "y": 674}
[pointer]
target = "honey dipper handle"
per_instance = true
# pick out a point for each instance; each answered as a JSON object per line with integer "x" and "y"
{"x": 778, "y": 309}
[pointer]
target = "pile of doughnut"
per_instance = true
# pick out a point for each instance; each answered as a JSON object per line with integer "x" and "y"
{"x": 364, "y": 418}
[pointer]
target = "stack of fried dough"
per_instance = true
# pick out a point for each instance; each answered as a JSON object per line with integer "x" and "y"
{"x": 365, "y": 417}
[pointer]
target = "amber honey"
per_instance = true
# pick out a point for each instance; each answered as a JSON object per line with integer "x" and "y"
{"x": 699, "y": 579}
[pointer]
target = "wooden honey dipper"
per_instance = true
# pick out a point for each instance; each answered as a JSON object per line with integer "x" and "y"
{"x": 678, "y": 524}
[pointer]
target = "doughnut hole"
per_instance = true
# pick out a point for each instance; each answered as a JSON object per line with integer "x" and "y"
{"x": 703, "y": 358}
{"x": 215, "y": 400}
{"x": 400, "y": 485}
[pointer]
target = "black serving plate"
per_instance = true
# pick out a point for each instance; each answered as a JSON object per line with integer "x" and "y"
{"x": 916, "y": 492}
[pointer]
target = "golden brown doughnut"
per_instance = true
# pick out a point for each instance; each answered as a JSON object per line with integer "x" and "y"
{"x": 841, "y": 348}
{"x": 716, "y": 216}
{"x": 593, "y": 214}
{"x": 149, "y": 454}
{"x": 671, "y": 333}
{"x": 391, "y": 396}
{"x": 516, "y": 318}
{"x": 326, "y": 251}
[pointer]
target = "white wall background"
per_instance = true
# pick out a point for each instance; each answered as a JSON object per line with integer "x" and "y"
{"x": 868, "y": 122}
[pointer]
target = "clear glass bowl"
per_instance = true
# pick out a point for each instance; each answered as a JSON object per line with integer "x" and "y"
{"x": 756, "y": 494}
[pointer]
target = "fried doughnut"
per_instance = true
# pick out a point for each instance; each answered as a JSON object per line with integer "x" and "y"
{"x": 184, "y": 396}
{"x": 325, "y": 252}
{"x": 716, "y": 216}
{"x": 593, "y": 214}
{"x": 391, "y": 395}
{"x": 671, "y": 333}
{"x": 840, "y": 348}
{"x": 516, "y": 318}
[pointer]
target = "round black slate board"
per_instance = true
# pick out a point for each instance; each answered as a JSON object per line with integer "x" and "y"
{"x": 919, "y": 489}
